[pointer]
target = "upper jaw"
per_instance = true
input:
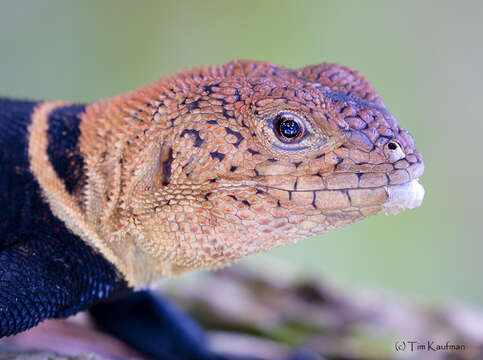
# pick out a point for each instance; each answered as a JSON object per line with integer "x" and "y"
{"x": 366, "y": 176}
{"x": 392, "y": 190}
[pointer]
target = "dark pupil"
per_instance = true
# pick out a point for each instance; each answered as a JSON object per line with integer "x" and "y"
{"x": 287, "y": 127}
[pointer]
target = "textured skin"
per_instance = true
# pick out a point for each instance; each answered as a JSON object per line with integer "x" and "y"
{"x": 188, "y": 173}
{"x": 45, "y": 270}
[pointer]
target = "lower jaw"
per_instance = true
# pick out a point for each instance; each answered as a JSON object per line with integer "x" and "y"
{"x": 405, "y": 196}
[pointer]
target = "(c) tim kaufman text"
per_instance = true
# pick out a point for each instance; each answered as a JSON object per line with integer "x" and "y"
{"x": 430, "y": 345}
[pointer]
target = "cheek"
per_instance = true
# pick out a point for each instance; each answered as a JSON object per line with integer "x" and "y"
{"x": 212, "y": 159}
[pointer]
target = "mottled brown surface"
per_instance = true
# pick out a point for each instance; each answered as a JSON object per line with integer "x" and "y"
{"x": 269, "y": 313}
{"x": 75, "y": 338}
{"x": 273, "y": 311}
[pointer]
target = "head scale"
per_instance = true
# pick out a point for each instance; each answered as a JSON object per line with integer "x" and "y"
{"x": 221, "y": 162}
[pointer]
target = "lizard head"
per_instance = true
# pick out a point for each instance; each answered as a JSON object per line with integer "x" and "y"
{"x": 222, "y": 162}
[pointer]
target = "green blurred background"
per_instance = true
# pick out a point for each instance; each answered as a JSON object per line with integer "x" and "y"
{"x": 424, "y": 58}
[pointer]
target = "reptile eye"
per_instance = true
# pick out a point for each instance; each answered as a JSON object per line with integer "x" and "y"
{"x": 288, "y": 127}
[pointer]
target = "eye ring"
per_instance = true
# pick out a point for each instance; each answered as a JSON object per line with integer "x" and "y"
{"x": 288, "y": 127}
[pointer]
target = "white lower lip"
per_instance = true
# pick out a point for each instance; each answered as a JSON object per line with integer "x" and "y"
{"x": 404, "y": 196}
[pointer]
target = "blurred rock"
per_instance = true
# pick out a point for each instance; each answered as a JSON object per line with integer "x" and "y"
{"x": 309, "y": 313}
{"x": 273, "y": 314}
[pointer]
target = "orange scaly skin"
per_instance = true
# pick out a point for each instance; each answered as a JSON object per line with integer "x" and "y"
{"x": 193, "y": 171}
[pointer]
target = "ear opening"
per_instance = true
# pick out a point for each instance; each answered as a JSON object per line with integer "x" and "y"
{"x": 166, "y": 160}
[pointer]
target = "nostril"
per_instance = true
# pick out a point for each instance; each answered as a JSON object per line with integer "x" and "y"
{"x": 393, "y": 151}
{"x": 392, "y": 146}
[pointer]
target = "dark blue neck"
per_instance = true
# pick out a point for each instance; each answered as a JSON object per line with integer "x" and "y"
{"x": 41, "y": 262}
{"x": 63, "y": 151}
{"x": 17, "y": 186}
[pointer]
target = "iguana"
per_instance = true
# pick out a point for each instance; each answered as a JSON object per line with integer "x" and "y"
{"x": 192, "y": 172}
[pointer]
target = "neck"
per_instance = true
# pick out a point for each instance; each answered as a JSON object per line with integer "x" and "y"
{"x": 37, "y": 249}
{"x": 63, "y": 146}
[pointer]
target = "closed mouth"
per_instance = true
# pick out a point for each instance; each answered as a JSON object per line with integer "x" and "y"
{"x": 369, "y": 193}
